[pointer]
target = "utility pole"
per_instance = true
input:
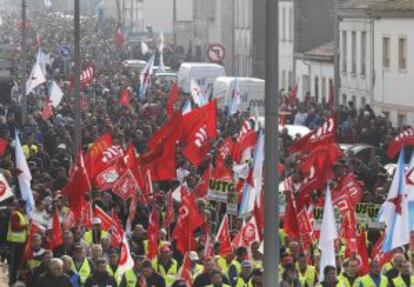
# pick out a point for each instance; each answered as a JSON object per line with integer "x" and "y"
{"x": 271, "y": 229}
{"x": 337, "y": 77}
{"x": 77, "y": 106}
{"x": 24, "y": 65}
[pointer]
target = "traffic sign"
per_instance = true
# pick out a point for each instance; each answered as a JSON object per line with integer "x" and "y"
{"x": 64, "y": 51}
{"x": 216, "y": 53}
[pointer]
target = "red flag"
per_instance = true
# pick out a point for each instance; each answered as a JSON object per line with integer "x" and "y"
{"x": 117, "y": 232}
{"x": 28, "y": 248}
{"x": 222, "y": 172}
{"x": 258, "y": 213}
{"x": 3, "y": 146}
{"x": 186, "y": 270}
{"x": 172, "y": 100}
{"x": 362, "y": 253}
{"x": 246, "y": 140}
{"x": 152, "y": 233}
{"x": 249, "y": 233}
{"x": 306, "y": 229}
{"x": 310, "y": 182}
{"x": 94, "y": 154}
{"x": 160, "y": 158}
{"x": 323, "y": 135}
{"x": 223, "y": 236}
{"x": 188, "y": 221}
{"x": 86, "y": 77}
{"x": 348, "y": 186}
{"x": 209, "y": 247}
{"x": 106, "y": 219}
{"x": 130, "y": 157}
{"x": 225, "y": 148}
{"x": 119, "y": 37}
{"x": 86, "y": 219}
{"x": 170, "y": 212}
{"x": 124, "y": 98}
{"x": 47, "y": 111}
{"x": 106, "y": 179}
{"x": 291, "y": 225}
{"x": 77, "y": 186}
{"x": 378, "y": 254}
{"x": 126, "y": 186}
{"x": 201, "y": 189}
{"x": 132, "y": 212}
{"x": 404, "y": 138}
{"x": 56, "y": 238}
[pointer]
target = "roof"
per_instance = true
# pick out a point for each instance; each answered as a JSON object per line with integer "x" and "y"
{"x": 323, "y": 53}
{"x": 379, "y": 8}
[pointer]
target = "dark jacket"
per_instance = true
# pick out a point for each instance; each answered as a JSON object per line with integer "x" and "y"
{"x": 155, "y": 280}
{"x": 50, "y": 280}
{"x": 100, "y": 280}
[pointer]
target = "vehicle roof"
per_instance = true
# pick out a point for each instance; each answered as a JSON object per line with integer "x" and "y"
{"x": 191, "y": 64}
{"x": 229, "y": 80}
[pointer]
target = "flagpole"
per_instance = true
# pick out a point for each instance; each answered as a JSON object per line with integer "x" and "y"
{"x": 24, "y": 64}
{"x": 271, "y": 224}
{"x": 77, "y": 106}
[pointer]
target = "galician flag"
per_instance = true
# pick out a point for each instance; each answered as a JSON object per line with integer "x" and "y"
{"x": 394, "y": 211}
{"x": 409, "y": 182}
{"x": 35, "y": 79}
{"x": 145, "y": 76}
{"x": 328, "y": 235}
{"x": 24, "y": 176}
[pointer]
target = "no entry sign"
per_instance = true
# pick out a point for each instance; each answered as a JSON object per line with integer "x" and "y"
{"x": 216, "y": 53}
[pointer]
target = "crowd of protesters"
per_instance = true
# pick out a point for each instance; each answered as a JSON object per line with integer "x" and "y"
{"x": 86, "y": 257}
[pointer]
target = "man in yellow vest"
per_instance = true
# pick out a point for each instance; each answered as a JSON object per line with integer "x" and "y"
{"x": 113, "y": 267}
{"x": 405, "y": 279}
{"x": 37, "y": 252}
{"x": 374, "y": 278}
{"x": 196, "y": 268}
{"x": 349, "y": 278}
{"x": 165, "y": 265}
{"x": 133, "y": 276}
{"x": 307, "y": 273}
{"x": 83, "y": 266}
{"x": 16, "y": 236}
{"x": 235, "y": 266}
{"x": 95, "y": 235}
{"x": 244, "y": 278}
{"x": 397, "y": 261}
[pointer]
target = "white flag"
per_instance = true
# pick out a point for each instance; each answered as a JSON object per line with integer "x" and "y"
{"x": 197, "y": 95}
{"x": 35, "y": 79}
{"x": 328, "y": 235}
{"x": 55, "y": 94}
{"x": 5, "y": 190}
{"x": 235, "y": 97}
{"x": 144, "y": 48}
{"x": 125, "y": 261}
{"x": 24, "y": 176}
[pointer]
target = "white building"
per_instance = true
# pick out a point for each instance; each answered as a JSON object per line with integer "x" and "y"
{"x": 375, "y": 37}
{"x": 286, "y": 30}
{"x": 315, "y": 73}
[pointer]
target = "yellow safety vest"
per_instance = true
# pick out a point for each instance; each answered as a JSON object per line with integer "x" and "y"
{"x": 170, "y": 274}
{"x": 236, "y": 264}
{"x": 368, "y": 282}
{"x": 309, "y": 277}
{"x": 197, "y": 270}
{"x": 257, "y": 264}
{"x": 222, "y": 264}
{"x": 117, "y": 275}
{"x": 88, "y": 236}
{"x": 222, "y": 285}
{"x": 19, "y": 236}
{"x": 131, "y": 278}
{"x": 345, "y": 282}
{"x": 387, "y": 267}
{"x": 84, "y": 271}
{"x": 26, "y": 149}
{"x": 399, "y": 282}
{"x": 241, "y": 283}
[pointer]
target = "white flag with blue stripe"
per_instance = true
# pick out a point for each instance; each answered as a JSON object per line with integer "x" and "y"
{"x": 409, "y": 182}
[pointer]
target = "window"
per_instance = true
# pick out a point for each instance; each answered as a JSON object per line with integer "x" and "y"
{"x": 344, "y": 99}
{"x": 385, "y": 52}
{"x": 317, "y": 89}
{"x": 343, "y": 52}
{"x": 283, "y": 79}
{"x": 402, "y": 120}
{"x": 354, "y": 55}
{"x": 363, "y": 52}
{"x": 290, "y": 24}
{"x": 402, "y": 54}
{"x": 283, "y": 24}
{"x": 323, "y": 86}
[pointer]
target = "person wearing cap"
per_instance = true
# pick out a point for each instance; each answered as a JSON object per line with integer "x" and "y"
{"x": 374, "y": 278}
{"x": 307, "y": 273}
{"x": 113, "y": 267}
{"x": 235, "y": 266}
{"x": 165, "y": 265}
{"x": 134, "y": 275}
{"x": 244, "y": 278}
{"x": 95, "y": 235}
{"x": 405, "y": 279}
{"x": 217, "y": 279}
{"x": 83, "y": 266}
{"x": 152, "y": 277}
{"x": 349, "y": 278}
{"x": 16, "y": 236}
{"x": 100, "y": 276}
{"x": 196, "y": 268}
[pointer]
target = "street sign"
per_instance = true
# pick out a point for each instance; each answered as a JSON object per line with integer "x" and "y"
{"x": 216, "y": 53}
{"x": 64, "y": 51}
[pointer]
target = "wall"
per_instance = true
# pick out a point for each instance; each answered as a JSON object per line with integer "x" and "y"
{"x": 356, "y": 86}
{"x": 159, "y": 15}
{"x": 394, "y": 87}
{"x": 286, "y": 38}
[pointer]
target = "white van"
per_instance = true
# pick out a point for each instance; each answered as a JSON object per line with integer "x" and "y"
{"x": 252, "y": 91}
{"x": 203, "y": 73}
